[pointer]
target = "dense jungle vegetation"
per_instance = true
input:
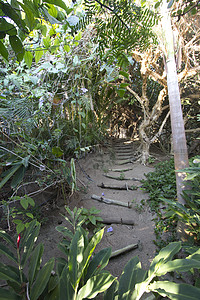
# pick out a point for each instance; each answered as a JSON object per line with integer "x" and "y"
{"x": 73, "y": 74}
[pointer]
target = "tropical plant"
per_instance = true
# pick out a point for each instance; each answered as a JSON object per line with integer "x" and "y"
{"x": 77, "y": 277}
{"x": 23, "y": 253}
{"x": 20, "y": 19}
{"x": 135, "y": 281}
{"x": 81, "y": 274}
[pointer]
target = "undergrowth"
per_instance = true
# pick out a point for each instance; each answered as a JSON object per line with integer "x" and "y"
{"x": 161, "y": 183}
{"x": 161, "y": 186}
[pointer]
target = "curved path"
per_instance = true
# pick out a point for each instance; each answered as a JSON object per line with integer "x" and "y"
{"x": 116, "y": 166}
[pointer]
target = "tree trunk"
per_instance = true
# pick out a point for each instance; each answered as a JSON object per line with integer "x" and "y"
{"x": 177, "y": 125}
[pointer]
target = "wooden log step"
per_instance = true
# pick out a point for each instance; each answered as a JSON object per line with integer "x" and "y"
{"x": 109, "y": 221}
{"x": 123, "y": 147}
{"x": 123, "y": 157}
{"x": 124, "y": 162}
{"x": 120, "y": 170}
{"x": 124, "y": 151}
{"x": 128, "y": 154}
{"x": 117, "y": 187}
{"x": 121, "y": 177}
{"x": 111, "y": 201}
{"x": 123, "y": 250}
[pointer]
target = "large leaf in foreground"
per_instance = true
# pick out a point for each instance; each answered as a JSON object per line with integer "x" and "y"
{"x": 42, "y": 279}
{"x": 8, "y": 295}
{"x": 175, "y": 291}
{"x": 95, "y": 285}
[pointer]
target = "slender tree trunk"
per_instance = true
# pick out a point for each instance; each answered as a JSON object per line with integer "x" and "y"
{"x": 177, "y": 125}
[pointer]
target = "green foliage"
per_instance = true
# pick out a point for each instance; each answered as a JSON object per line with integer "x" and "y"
{"x": 20, "y": 253}
{"x": 190, "y": 7}
{"x": 20, "y": 20}
{"x": 91, "y": 217}
{"x": 135, "y": 281}
{"x": 190, "y": 212}
{"x": 162, "y": 184}
{"x": 76, "y": 219}
{"x": 121, "y": 29}
{"x": 80, "y": 275}
{"x": 161, "y": 187}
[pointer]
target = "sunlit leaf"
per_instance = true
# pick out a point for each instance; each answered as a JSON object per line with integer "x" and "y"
{"x": 28, "y": 57}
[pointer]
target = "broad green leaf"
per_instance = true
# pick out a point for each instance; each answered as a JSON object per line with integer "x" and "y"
{"x": 6, "y": 273}
{"x": 6, "y": 251}
{"x": 76, "y": 258}
{"x": 28, "y": 58}
{"x": 92, "y": 219}
{"x": 20, "y": 227}
{"x": 42, "y": 28}
{"x": 11, "y": 13}
{"x": 6, "y": 27}
{"x": 92, "y": 245}
{"x": 121, "y": 92}
{"x": 27, "y": 233}
{"x": 24, "y": 203}
{"x": 35, "y": 262}
{"x": 165, "y": 255}
{"x": 98, "y": 262}
{"x": 125, "y": 74}
{"x": 51, "y": 19}
{"x": 60, "y": 264}
{"x": 53, "y": 282}
{"x": 59, "y": 3}
{"x": 65, "y": 231}
{"x": 123, "y": 85}
{"x": 17, "y": 46}
{"x": 47, "y": 42}
{"x": 30, "y": 14}
{"x": 2, "y": 35}
{"x": 28, "y": 240}
{"x": 7, "y": 238}
{"x": 67, "y": 48}
{"x": 95, "y": 285}
{"x": 29, "y": 215}
{"x": 195, "y": 255}
{"x": 78, "y": 36}
{"x": 131, "y": 275}
{"x": 30, "y": 201}
{"x": 38, "y": 54}
{"x": 179, "y": 265}
{"x": 57, "y": 151}
{"x": 111, "y": 291}
{"x": 52, "y": 11}
{"x": 9, "y": 175}
{"x": 18, "y": 176}
{"x": 42, "y": 279}
{"x": 175, "y": 291}
{"x": 54, "y": 294}
{"x": 66, "y": 289}
{"x": 8, "y": 295}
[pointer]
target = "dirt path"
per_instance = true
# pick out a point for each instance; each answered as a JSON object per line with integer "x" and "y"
{"x": 90, "y": 173}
